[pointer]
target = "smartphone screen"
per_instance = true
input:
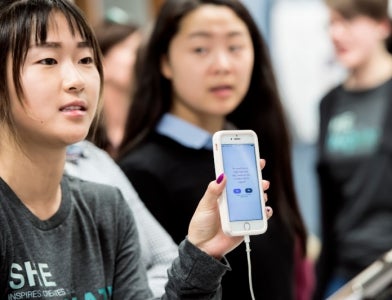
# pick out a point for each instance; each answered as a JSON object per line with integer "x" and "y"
{"x": 243, "y": 188}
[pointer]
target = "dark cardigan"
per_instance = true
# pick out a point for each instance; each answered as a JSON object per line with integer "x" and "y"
{"x": 171, "y": 179}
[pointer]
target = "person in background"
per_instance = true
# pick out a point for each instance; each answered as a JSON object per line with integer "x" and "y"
{"x": 62, "y": 237}
{"x": 354, "y": 149}
{"x": 119, "y": 43}
{"x": 158, "y": 250}
{"x": 206, "y": 68}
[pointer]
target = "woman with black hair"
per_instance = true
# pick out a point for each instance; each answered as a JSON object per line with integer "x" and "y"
{"x": 206, "y": 68}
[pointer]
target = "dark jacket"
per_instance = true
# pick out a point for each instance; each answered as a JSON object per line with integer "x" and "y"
{"x": 171, "y": 179}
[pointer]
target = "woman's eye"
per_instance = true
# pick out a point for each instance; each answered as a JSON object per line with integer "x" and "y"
{"x": 87, "y": 60}
{"x": 48, "y": 61}
{"x": 200, "y": 50}
{"x": 235, "y": 48}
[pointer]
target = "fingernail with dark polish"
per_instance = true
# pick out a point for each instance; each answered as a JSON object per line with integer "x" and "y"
{"x": 220, "y": 178}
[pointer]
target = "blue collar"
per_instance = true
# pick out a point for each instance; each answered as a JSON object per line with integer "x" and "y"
{"x": 184, "y": 132}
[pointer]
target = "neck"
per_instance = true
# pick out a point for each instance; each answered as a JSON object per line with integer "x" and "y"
{"x": 370, "y": 74}
{"x": 34, "y": 174}
{"x": 210, "y": 123}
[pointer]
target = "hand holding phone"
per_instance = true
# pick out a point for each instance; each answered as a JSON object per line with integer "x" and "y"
{"x": 241, "y": 206}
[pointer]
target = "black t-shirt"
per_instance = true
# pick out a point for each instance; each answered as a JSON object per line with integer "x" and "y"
{"x": 355, "y": 174}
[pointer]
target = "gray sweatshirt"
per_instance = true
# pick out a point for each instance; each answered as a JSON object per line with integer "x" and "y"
{"x": 158, "y": 250}
{"x": 89, "y": 250}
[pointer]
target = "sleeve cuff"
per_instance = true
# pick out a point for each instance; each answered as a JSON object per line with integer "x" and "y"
{"x": 200, "y": 269}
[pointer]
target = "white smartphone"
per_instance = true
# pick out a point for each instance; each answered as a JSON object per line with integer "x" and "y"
{"x": 241, "y": 206}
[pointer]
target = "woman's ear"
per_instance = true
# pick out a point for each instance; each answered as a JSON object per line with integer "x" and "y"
{"x": 166, "y": 69}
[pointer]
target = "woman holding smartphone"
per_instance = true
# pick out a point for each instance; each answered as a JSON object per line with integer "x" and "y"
{"x": 62, "y": 237}
{"x": 206, "y": 68}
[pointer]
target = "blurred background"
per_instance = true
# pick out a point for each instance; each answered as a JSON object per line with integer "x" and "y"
{"x": 296, "y": 32}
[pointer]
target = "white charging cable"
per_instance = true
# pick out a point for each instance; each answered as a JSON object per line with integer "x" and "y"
{"x": 247, "y": 242}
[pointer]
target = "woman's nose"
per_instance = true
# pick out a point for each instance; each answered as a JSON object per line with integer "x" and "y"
{"x": 221, "y": 62}
{"x": 73, "y": 79}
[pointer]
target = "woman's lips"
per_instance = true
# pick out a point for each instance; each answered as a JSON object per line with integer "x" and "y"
{"x": 74, "y": 109}
{"x": 223, "y": 91}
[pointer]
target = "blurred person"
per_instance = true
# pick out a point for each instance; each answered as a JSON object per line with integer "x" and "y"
{"x": 62, "y": 237}
{"x": 119, "y": 43}
{"x": 354, "y": 148}
{"x": 304, "y": 75}
{"x": 206, "y": 68}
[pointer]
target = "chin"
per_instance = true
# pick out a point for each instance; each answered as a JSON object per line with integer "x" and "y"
{"x": 348, "y": 61}
{"x": 75, "y": 138}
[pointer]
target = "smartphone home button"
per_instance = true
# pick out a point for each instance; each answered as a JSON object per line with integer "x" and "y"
{"x": 246, "y": 226}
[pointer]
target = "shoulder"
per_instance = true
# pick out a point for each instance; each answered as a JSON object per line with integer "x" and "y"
{"x": 86, "y": 186}
{"x": 331, "y": 94}
{"x": 156, "y": 148}
{"x": 97, "y": 166}
{"x": 88, "y": 157}
{"x": 100, "y": 207}
{"x": 100, "y": 202}
{"x": 96, "y": 196}
{"x": 329, "y": 98}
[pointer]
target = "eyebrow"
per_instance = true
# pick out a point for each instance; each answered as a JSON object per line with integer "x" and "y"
{"x": 209, "y": 35}
{"x": 56, "y": 45}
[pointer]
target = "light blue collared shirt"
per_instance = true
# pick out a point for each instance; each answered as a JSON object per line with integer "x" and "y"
{"x": 184, "y": 132}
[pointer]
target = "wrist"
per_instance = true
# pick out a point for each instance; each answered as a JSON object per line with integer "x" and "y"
{"x": 202, "y": 246}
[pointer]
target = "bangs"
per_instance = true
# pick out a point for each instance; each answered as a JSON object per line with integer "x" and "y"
{"x": 40, "y": 25}
{"x": 346, "y": 8}
{"x": 375, "y": 9}
{"x": 33, "y": 27}
{"x": 27, "y": 22}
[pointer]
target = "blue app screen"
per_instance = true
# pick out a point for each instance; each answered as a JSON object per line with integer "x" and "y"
{"x": 242, "y": 189}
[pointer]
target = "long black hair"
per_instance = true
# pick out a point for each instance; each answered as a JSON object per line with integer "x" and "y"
{"x": 260, "y": 110}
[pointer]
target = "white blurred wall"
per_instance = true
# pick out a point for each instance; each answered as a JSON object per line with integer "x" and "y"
{"x": 304, "y": 61}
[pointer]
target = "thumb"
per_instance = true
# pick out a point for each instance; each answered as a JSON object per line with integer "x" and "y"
{"x": 207, "y": 212}
{"x": 205, "y": 222}
{"x": 213, "y": 192}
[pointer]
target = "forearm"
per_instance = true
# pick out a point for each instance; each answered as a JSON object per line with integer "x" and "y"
{"x": 195, "y": 273}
